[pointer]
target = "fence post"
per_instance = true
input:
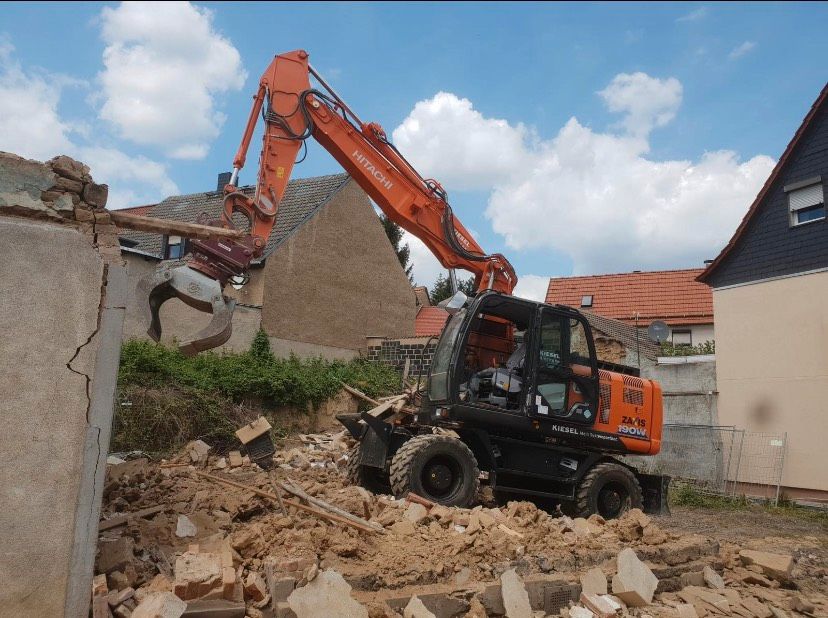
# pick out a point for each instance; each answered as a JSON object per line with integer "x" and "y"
{"x": 781, "y": 467}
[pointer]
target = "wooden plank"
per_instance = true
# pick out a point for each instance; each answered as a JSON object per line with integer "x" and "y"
{"x": 114, "y": 522}
{"x": 176, "y": 228}
{"x": 299, "y": 493}
{"x": 298, "y": 505}
{"x": 360, "y": 394}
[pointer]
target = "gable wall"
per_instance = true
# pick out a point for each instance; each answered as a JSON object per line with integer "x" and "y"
{"x": 769, "y": 247}
{"x": 337, "y": 280}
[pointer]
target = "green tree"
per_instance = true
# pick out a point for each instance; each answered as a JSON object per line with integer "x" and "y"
{"x": 442, "y": 288}
{"x": 395, "y": 234}
{"x": 260, "y": 347}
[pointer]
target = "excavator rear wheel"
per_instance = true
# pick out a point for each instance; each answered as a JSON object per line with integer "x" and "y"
{"x": 373, "y": 479}
{"x": 437, "y": 467}
{"x": 608, "y": 489}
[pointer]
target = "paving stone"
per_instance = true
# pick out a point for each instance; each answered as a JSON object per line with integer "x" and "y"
{"x": 416, "y": 609}
{"x": 713, "y": 579}
{"x": 160, "y": 605}
{"x": 515, "y": 597}
{"x": 184, "y": 527}
{"x": 327, "y": 595}
{"x": 415, "y": 513}
{"x": 594, "y": 582}
{"x": 599, "y": 605}
{"x": 634, "y": 583}
{"x": 778, "y": 566}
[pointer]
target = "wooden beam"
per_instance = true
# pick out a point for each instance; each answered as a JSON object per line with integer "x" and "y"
{"x": 360, "y": 394}
{"x": 120, "y": 520}
{"x": 170, "y": 227}
{"x": 366, "y": 527}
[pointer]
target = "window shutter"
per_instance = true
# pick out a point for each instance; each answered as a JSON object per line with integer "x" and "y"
{"x": 806, "y": 197}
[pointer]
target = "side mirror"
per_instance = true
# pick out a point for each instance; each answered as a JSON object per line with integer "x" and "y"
{"x": 455, "y": 303}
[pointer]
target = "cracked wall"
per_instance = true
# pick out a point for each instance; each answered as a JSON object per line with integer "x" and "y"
{"x": 61, "y": 313}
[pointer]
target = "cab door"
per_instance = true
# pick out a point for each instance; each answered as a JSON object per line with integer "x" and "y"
{"x": 565, "y": 369}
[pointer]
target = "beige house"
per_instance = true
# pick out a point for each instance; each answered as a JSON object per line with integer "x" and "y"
{"x": 770, "y": 295}
{"x": 328, "y": 278}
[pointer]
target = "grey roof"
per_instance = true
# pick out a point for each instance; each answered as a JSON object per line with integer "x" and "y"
{"x": 302, "y": 199}
{"x": 630, "y": 337}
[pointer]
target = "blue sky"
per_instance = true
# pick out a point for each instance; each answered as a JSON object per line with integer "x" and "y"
{"x": 571, "y": 137}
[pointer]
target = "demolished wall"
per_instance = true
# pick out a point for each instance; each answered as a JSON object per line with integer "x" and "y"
{"x": 61, "y": 313}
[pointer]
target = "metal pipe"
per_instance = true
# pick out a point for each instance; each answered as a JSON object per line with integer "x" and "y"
{"x": 234, "y": 177}
{"x": 334, "y": 94}
{"x": 453, "y": 280}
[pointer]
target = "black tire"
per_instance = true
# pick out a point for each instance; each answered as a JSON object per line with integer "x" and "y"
{"x": 439, "y": 468}
{"x": 608, "y": 489}
{"x": 373, "y": 479}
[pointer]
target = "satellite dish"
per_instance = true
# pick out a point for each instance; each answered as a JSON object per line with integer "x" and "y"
{"x": 658, "y": 331}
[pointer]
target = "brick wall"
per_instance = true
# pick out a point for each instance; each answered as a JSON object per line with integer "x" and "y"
{"x": 394, "y": 352}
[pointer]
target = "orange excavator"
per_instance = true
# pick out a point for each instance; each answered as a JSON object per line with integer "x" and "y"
{"x": 516, "y": 394}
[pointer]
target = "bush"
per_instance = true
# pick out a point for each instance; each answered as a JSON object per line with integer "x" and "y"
{"x": 255, "y": 374}
{"x": 668, "y": 349}
{"x": 171, "y": 399}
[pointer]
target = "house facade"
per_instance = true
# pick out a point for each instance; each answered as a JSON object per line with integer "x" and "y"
{"x": 640, "y": 298}
{"x": 770, "y": 294}
{"x": 328, "y": 277}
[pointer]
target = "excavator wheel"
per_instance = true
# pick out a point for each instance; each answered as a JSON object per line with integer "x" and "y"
{"x": 373, "y": 479}
{"x": 437, "y": 467}
{"x": 608, "y": 489}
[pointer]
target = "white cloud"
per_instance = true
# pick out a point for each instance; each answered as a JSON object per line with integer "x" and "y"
{"x": 593, "y": 195}
{"x": 164, "y": 64}
{"x": 446, "y": 134}
{"x": 694, "y": 15}
{"x": 741, "y": 50}
{"x": 31, "y": 126}
{"x": 532, "y": 287}
{"x": 29, "y": 122}
{"x": 426, "y": 267}
{"x": 648, "y": 102}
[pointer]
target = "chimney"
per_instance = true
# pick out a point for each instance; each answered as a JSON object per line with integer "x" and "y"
{"x": 223, "y": 179}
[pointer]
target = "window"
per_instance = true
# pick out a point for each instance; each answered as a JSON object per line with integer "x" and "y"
{"x": 682, "y": 337}
{"x": 586, "y": 301}
{"x": 807, "y": 203}
{"x": 173, "y": 248}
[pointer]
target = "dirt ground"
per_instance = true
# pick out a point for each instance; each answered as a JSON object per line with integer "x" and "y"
{"x": 195, "y": 517}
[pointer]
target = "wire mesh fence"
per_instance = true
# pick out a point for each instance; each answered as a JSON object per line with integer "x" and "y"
{"x": 721, "y": 460}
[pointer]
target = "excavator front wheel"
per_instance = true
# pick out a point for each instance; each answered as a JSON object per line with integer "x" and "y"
{"x": 437, "y": 467}
{"x": 608, "y": 489}
{"x": 373, "y": 479}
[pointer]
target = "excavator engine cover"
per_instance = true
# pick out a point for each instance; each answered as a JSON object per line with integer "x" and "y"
{"x": 177, "y": 280}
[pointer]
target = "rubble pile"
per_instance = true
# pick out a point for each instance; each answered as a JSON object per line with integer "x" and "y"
{"x": 207, "y": 533}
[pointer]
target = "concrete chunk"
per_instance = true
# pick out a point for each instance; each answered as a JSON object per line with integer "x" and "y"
{"x": 255, "y": 587}
{"x": 778, "y": 566}
{"x": 580, "y": 612}
{"x": 114, "y": 555}
{"x": 594, "y": 582}
{"x": 515, "y": 597}
{"x": 160, "y": 605}
{"x": 634, "y": 583}
{"x": 416, "y": 609}
{"x": 327, "y": 595}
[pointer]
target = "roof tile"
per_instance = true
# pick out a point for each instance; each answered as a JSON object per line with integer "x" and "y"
{"x": 303, "y": 198}
{"x": 673, "y": 296}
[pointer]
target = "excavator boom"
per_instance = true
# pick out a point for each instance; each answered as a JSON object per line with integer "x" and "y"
{"x": 294, "y": 111}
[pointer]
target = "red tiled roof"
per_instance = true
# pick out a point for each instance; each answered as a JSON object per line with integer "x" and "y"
{"x": 430, "y": 321}
{"x": 820, "y": 101}
{"x": 143, "y": 211}
{"x": 673, "y": 296}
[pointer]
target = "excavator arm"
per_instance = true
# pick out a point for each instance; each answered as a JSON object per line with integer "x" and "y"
{"x": 294, "y": 111}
